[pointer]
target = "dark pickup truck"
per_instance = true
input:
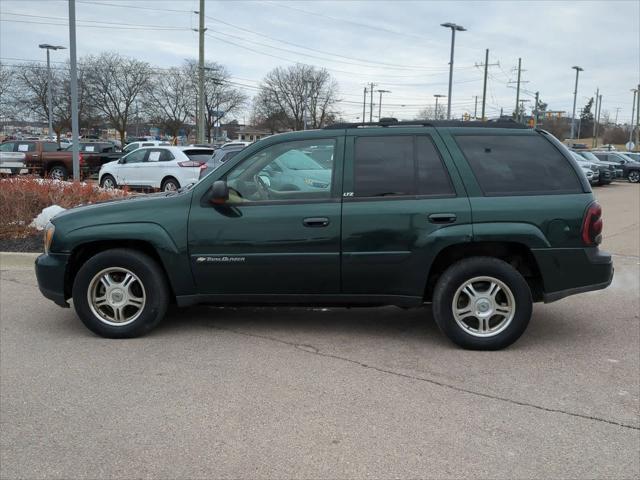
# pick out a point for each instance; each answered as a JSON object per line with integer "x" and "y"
{"x": 47, "y": 159}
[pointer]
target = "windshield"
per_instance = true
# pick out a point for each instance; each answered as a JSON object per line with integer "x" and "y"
{"x": 590, "y": 156}
{"x": 296, "y": 160}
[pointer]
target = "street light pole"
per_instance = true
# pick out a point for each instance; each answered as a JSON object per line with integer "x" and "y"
{"x": 437, "y": 95}
{"x": 48, "y": 47}
{"x": 575, "y": 96}
{"x": 453, "y": 28}
{"x": 75, "y": 127}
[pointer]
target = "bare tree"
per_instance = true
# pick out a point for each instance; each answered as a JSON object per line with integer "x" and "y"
{"x": 221, "y": 98}
{"x": 169, "y": 99}
{"x": 286, "y": 92}
{"x": 114, "y": 83}
{"x": 7, "y": 91}
{"x": 428, "y": 113}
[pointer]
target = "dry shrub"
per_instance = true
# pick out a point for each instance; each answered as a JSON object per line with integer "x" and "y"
{"x": 23, "y": 198}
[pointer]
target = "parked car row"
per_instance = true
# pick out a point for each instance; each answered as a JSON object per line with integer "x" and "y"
{"x": 611, "y": 165}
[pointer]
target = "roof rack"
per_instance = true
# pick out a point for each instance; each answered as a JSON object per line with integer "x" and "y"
{"x": 499, "y": 123}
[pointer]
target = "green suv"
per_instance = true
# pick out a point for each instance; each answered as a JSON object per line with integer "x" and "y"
{"x": 479, "y": 220}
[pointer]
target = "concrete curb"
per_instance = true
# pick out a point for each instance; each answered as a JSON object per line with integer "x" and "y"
{"x": 17, "y": 260}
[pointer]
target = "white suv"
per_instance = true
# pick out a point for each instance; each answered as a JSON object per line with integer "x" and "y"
{"x": 166, "y": 168}
{"x": 149, "y": 143}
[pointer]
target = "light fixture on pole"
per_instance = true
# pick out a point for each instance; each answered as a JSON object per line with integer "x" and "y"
{"x": 437, "y": 95}
{"x": 380, "y": 102}
{"x": 48, "y": 47}
{"x": 454, "y": 28}
{"x": 575, "y": 96}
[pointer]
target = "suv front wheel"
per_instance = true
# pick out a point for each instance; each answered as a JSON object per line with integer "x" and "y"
{"x": 482, "y": 303}
{"x": 120, "y": 293}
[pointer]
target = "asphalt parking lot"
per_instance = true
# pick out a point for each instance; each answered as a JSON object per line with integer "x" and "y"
{"x": 300, "y": 393}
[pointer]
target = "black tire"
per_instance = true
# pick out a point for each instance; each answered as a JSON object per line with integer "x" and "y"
{"x": 106, "y": 179}
{"x": 460, "y": 273}
{"x": 634, "y": 176}
{"x": 169, "y": 184}
{"x": 58, "y": 172}
{"x": 149, "y": 274}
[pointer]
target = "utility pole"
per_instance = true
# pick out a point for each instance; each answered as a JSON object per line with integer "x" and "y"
{"x": 437, "y": 95}
{"x": 579, "y": 122}
{"x": 453, "y": 28}
{"x": 518, "y": 88}
{"x": 371, "y": 103}
{"x": 364, "y": 106}
{"x": 475, "y": 109}
{"x": 75, "y": 146}
{"x": 633, "y": 111}
{"x": 595, "y": 113}
{"x": 598, "y": 120}
{"x": 535, "y": 111}
{"x": 521, "y": 110}
{"x": 575, "y": 97}
{"x": 486, "y": 66}
{"x": 380, "y": 103}
{"x": 617, "y": 111}
{"x": 201, "y": 116}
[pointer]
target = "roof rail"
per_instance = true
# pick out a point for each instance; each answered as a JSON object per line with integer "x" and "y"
{"x": 499, "y": 123}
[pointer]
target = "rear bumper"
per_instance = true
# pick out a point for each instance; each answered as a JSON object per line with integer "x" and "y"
{"x": 50, "y": 272}
{"x": 569, "y": 271}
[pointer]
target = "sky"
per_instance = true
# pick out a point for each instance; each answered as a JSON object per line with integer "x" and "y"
{"x": 398, "y": 45}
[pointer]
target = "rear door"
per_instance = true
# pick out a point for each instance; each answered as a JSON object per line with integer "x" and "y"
{"x": 401, "y": 190}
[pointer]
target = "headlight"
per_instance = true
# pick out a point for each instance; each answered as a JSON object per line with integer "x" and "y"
{"x": 48, "y": 236}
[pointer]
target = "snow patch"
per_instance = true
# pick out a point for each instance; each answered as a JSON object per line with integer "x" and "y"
{"x": 41, "y": 221}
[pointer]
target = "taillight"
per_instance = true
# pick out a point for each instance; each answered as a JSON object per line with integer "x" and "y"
{"x": 592, "y": 225}
{"x": 192, "y": 163}
{"x": 81, "y": 158}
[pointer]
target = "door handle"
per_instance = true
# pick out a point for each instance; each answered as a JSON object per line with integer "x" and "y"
{"x": 441, "y": 218}
{"x": 315, "y": 222}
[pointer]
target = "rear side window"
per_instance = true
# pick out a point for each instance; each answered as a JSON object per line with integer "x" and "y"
{"x": 389, "y": 166}
{"x": 49, "y": 147}
{"x": 518, "y": 165}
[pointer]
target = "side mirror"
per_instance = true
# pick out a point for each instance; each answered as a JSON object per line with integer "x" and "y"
{"x": 219, "y": 192}
{"x": 121, "y": 161}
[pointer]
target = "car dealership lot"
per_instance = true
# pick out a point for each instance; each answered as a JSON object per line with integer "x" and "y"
{"x": 291, "y": 393}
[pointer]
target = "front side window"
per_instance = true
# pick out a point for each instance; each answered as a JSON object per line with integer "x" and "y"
{"x": 283, "y": 172}
{"x": 26, "y": 147}
{"x": 136, "y": 156}
{"x": 518, "y": 165}
{"x": 7, "y": 147}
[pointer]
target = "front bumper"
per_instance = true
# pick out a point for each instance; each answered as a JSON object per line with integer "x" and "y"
{"x": 50, "y": 272}
{"x": 569, "y": 271}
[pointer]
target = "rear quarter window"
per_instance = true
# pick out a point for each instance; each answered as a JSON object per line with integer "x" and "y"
{"x": 518, "y": 165}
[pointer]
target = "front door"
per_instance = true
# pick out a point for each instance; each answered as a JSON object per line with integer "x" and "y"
{"x": 279, "y": 232}
{"x": 400, "y": 191}
{"x": 128, "y": 172}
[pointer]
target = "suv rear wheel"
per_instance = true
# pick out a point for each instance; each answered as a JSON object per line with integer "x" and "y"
{"x": 634, "y": 176}
{"x": 482, "y": 303}
{"x": 120, "y": 293}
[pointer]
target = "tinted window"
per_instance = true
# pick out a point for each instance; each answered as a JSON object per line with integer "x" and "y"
{"x": 200, "y": 155}
{"x": 50, "y": 147}
{"x": 282, "y": 172}
{"x": 131, "y": 147}
{"x": 7, "y": 147}
{"x": 384, "y": 166}
{"x": 518, "y": 165}
{"x": 159, "y": 155}
{"x": 229, "y": 156}
{"x": 433, "y": 178}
